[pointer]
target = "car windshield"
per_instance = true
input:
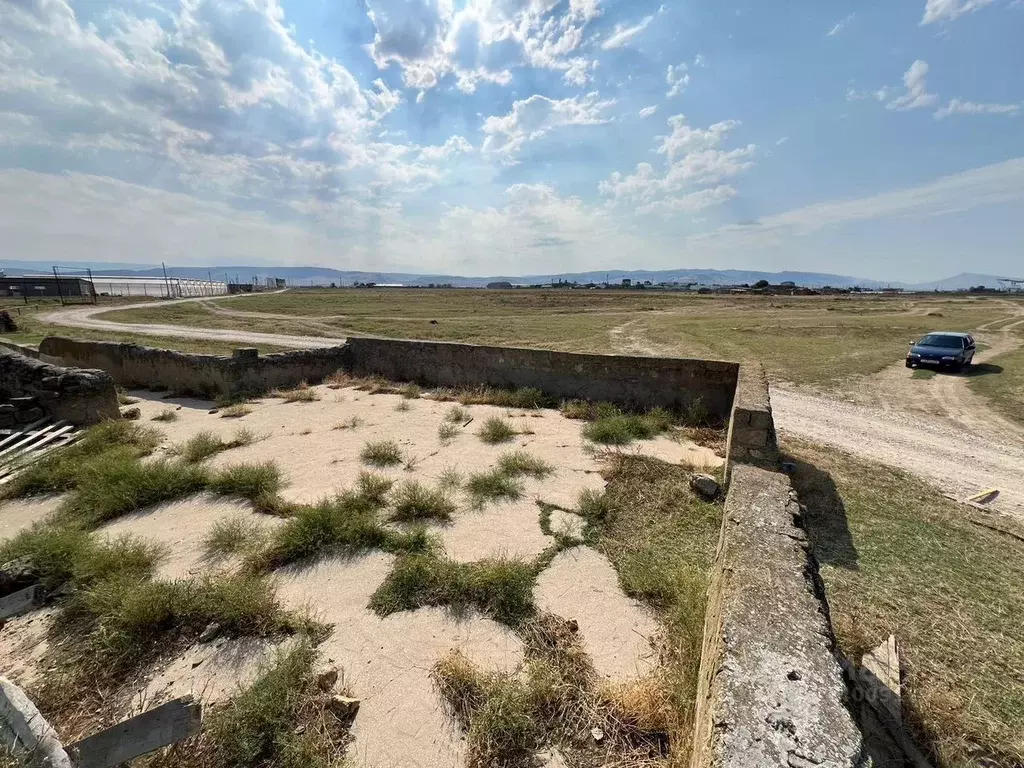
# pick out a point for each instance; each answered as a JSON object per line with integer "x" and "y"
{"x": 934, "y": 340}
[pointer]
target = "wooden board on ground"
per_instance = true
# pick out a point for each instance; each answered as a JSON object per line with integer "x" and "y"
{"x": 18, "y": 602}
{"x": 159, "y": 727}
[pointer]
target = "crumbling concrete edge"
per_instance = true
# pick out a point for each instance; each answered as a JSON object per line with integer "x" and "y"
{"x": 771, "y": 689}
{"x": 22, "y": 726}
{"x": 752, "y": 438}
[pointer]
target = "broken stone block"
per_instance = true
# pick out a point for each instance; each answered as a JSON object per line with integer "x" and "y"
{"x": 325, "y": 680}
{"x": 344, "y": 707}
{"x": 705, "y": 486}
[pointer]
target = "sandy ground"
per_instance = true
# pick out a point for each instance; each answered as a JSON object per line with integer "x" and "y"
{"x": 318, "y": 459}
{"x": 180, "y": 528}
{"x": 18, "y": 514}
{"x": 582, "y": 584}
{"x": 384, "y": 662}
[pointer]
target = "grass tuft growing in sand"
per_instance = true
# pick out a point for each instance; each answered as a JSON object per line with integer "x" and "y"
{"x": 382, "y": 453}
{"x": 496, "y": 430}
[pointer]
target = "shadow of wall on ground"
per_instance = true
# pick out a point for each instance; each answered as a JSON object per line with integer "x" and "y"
{"x": 825, "y": 519}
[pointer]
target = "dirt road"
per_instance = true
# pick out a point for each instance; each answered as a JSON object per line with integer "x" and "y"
{"x": 937, "y": 429}
{"x": 84, "y": 317}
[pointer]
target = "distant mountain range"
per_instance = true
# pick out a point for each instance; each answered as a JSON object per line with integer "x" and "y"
{"x": 325, "y": 276}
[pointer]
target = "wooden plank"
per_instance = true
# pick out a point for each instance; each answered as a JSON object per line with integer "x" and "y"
{"x": 159, "y": 727}
{"x": 18, "y": 602}
{"x": 883, "y": 664}
{"x": 14, "y": 436}
{"x": 27, "y": 440}
{"x": 50, "y": 436}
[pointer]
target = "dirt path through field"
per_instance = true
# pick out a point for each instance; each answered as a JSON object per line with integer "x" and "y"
{"x": 85, "y": 317}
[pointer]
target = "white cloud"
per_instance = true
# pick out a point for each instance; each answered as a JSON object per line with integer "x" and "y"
{"x": 622, "y": 34}
{"x": 648, "y": 111}
{"x": 916, "y": 95}
{"x": 947, "y": 10}
{"x": 958, "y": 107}
{"x": 699, "y": 61}
{"x": 782, "y": 141}
{"x": 692, "y": 159}
{"x": 840, "y": 25}
{"x": 532, "y": 118}
{"x": 482, "y": 41}
{"x": 455, "y": 145}
{"x": 677, "y": 78}
{"x": 578, "y": 72}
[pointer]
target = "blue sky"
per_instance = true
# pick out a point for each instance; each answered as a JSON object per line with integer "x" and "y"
{"x": 880, "y": 139}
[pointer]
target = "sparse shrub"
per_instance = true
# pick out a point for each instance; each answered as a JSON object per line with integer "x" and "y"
{"x": 167, "y": 414}
{"x": 696, "y": 414}
{"x": 410, "y": 391}
{"x": 303, "y": 393}
{"x": 450, "y": 479}
{"x": 236, "y": 411}
{"x": 403, "y": 405}
{"x": 456, "y": 415}
{"x": 622, "y": 429}
{"x": 577, "y": 409}
{"x": 203, "y": 445}
{"x": 353, "y": 422}
{"x": 496, "y": 430}
{"x": 518, "y": 463}
{"x": 383, "y": 453}
{"x": 374, "y": 488}
{"x": 415, "y": 501}
{"x": 447, "y": 432}
{"x": 123, "y": 398}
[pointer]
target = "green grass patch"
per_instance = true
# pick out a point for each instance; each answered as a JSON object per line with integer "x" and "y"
{"x": 496, "y": 430}
{"x": 236, "y": 535}
{"x": 259, "y": 483}
{"x": 1001, "y": 382}
{"x": 499, "y": 588}
{"x": 661, "y": 540}
{"x": 375, "y": 488}
{"x": 203, "y": 445}
{"x": 896, "y": 557}
{"x": 382, "y": 453}
{"x": 519, "y": 463}
{"x": 495, "y": 485}
{"x": 623, "y": 429}
{"x": 413, "y": 501}
{"x": 347, "y": 524}
{"x": 280, "y": 720}
{"x": 121, "y": 484}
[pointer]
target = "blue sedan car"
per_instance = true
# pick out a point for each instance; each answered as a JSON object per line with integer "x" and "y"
{"x": 942, "y": 349}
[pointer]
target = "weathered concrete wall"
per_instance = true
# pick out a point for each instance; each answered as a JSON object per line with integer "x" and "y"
{"x": 31, "y": 389}
{"x": 642, "y": 381}
{"x": 636, "y": 381}
{"x": 203, "y": 375}
{"x": 772, "y": 692}
{"x": 752, "y": 438}
{"x": 23, "y": 727}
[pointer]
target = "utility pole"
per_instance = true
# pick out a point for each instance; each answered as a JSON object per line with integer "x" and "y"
{"x": 167, "y": 283}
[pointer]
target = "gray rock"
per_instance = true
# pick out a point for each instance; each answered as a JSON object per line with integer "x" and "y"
{"x": 705, "y": 486}
{"x": 132, "y": 413}
{"x": 211, "y": 631}
{"x": 17, "y": 574}
{"x": 344, "y": 707}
